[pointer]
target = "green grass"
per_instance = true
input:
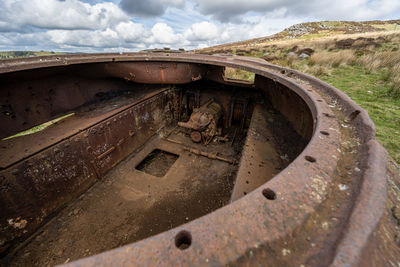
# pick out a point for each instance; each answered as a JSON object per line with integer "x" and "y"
{"x": 371, "y": 76}
{"x": 18, "y": 54}
{"x": 40, "y": 127}
{"x": 238, "y": 74}
{"x": 319, "y": 34}
{"x": 369, "y": 91}
{"x": 387, "y": 27}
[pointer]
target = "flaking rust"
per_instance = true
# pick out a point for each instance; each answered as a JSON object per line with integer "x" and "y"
{"x": 204, "y": 122}
{"x": 280, "y": 171}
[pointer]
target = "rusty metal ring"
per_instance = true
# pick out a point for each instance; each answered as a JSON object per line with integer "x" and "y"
{"x": 246, "y": 230}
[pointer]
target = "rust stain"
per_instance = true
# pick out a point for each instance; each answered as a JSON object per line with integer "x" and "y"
{"x": 303, "y": 185}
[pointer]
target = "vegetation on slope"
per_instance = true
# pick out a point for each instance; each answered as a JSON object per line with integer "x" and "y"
{"x": 17, "y": 54}
{"x": 310, "y": 30}
{"x": 364, "y": 66}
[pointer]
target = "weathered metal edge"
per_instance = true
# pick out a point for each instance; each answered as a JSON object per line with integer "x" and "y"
{"x": 368, "y": 209}
{"x": 105, "y": 260}
{"x": 345, "y": 101}
{"x": 371, "y": 200}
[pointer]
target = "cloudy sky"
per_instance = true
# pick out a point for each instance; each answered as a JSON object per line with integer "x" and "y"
{"x": 132, "y": 25}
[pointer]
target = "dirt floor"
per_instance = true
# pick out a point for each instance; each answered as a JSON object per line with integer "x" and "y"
{"x": 128, "y": 204}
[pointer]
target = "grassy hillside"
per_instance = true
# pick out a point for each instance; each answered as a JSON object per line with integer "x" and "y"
{"x": 16, "y": 54}
{"x": 366, "y": 66}
{"x": 309, "y": 30}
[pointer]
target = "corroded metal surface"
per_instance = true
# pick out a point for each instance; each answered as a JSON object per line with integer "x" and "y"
{"x": 204, "y": 121}
{"x": 300, "y": 216}
{"x": 71, "y": 166}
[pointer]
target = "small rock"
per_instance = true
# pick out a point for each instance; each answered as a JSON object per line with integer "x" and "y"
{"x": 76, "y": 211}
{"x": 18, "y": 223}
{"x": 303, "y": 56}
{"x": 285, "y": 252}
{"x": 347, "y": 145}
{"x": 343, "y": 187}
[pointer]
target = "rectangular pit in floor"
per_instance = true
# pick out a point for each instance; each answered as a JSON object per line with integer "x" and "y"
{"x": 121, "y": 169}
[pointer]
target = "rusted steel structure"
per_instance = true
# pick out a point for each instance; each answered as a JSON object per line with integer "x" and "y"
{"x": 308, "y": 179}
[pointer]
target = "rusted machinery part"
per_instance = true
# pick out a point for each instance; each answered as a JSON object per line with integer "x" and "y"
{"x": 195, "y": 136}
{"x": 262, "y": 226}
{"x": 208, "y": 155}
{"x": 203, "y": 116}
{"x": 201, "y": 153}
{"x": 203, "y": 121}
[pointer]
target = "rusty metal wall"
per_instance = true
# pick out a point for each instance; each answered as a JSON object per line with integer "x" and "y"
{"x": 31, "y": 97}
{"x": 32, "y": 190}
{"x": 272, "y": 223}
{"x": 289, "y": 104}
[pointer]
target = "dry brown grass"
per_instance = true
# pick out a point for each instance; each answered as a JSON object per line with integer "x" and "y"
{"x": 394, "y": 79}
{"x": 316, "y": 70}
{"x": 318, "y": 43}
{"x": 394, "y": 38}
{"x": 324, "y": 58}
{"x": 379, "y": 60}
{"x": 238, "y": 74}
{"x": 389, "y": 60}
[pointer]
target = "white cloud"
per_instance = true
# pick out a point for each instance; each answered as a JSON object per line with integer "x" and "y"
{"x": 149, "y": 8}
{"x": 53, "y": 14}
{"x": 84, "y": 38}
{"x": 202, "y": 31}
{"x": 163, "y": 34}
{"x": 131, "y": 32}
{"x": 75, "y": 25}
{"x": 176, "y": 3}
{"x": 229, "y": 10}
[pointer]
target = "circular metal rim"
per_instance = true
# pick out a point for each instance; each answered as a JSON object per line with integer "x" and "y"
{"x": 226, "y": 234}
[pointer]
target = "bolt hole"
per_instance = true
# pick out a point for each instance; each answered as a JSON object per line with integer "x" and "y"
{"x": 310, "y": 159}
{"x": 247, "y": 182}
{"x": 319, "y": 100}
{"x": 269, "y": 194}
{"x": 244, "y": 193}
{"x": 324, "y": 132}
{"x": 183, "y": 240}
{"x": 328, "y": 115}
